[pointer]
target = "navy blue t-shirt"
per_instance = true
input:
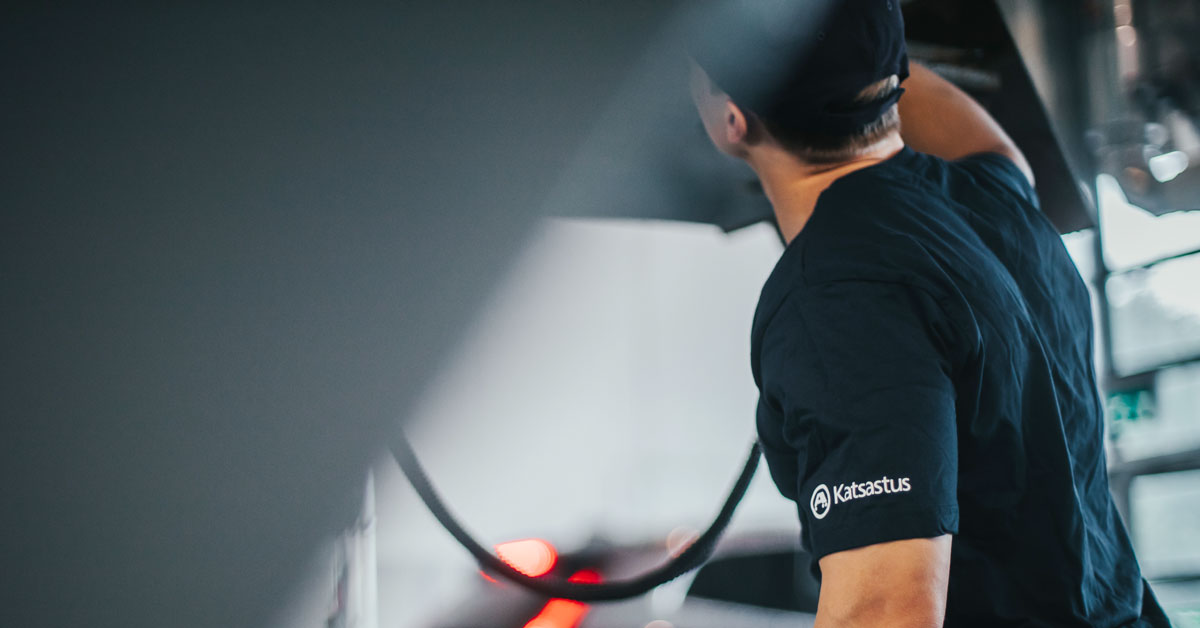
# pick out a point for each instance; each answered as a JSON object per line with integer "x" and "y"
{"x": 923, "y": 351}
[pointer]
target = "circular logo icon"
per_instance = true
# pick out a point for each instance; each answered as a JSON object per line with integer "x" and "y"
{"x": 820, "y": 501}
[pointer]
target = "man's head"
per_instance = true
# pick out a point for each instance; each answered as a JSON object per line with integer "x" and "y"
{"x": 824, "y": 94}
{"x": 734, "y": 130}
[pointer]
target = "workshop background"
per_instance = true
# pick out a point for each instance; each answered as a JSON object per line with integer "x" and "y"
{"x": 240, "y": 247}
{"x": 616, "y": 349}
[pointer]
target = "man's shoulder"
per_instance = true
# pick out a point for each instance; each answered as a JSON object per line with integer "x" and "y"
{"x": 865, "y": 229}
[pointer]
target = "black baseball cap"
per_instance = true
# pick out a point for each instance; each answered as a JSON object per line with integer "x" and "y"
{"x": 802, "y": 63}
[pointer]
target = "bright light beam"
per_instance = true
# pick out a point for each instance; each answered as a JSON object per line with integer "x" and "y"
{"x": 1167, "y": 166}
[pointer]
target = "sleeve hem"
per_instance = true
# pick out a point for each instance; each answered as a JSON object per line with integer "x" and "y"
{"x": 926, "y": 523}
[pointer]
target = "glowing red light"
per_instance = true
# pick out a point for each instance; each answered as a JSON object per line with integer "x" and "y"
{"x": 532, "y": 557}
{"x": 565, "y": 613}
{"x": 588, "y": 576}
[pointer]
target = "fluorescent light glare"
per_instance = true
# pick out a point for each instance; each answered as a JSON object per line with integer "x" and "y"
{"x": 1168, "y": 165}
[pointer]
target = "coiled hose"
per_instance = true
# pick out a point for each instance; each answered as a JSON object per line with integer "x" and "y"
{"x": 692, "y": 557}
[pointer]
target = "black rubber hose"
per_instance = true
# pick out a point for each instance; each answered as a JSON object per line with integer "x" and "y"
{"x": 689, "y": 559}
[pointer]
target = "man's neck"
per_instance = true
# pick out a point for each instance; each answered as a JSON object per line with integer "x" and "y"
{"x": 793, "y": 185}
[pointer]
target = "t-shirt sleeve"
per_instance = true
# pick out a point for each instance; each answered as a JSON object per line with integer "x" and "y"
{"x": 1000, "y": 176}
{"x": 857, "y": 413}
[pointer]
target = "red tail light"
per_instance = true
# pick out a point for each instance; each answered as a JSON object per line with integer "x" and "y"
{"x": 532, "y": 557}
{"x": 564, "y": 613}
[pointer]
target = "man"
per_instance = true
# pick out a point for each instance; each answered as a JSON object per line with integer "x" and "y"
{"x": 923, "y": 347}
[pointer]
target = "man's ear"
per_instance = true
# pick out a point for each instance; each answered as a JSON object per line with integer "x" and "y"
{"x": 735, "y": 124}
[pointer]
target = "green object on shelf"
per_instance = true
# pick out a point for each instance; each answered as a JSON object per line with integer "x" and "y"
{"x": 1128, "y": 406}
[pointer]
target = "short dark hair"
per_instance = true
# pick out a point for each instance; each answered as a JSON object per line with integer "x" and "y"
{"x": 819, "y": 148}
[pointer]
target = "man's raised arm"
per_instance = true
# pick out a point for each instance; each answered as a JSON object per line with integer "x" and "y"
{"x": 940, "y": 119}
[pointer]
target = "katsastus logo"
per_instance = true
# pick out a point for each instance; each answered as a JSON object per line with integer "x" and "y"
{"x": 820, "y": 502}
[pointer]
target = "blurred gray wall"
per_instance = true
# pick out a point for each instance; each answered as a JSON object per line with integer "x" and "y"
{"x": 234, "y": 245}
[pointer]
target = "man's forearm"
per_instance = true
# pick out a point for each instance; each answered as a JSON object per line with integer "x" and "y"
{"x": 940, "y": 119}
